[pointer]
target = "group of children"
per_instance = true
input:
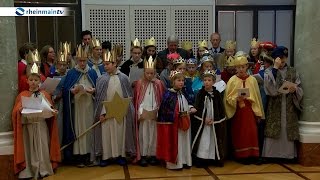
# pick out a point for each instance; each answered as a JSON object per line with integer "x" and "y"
{"x": 187, "y": 115}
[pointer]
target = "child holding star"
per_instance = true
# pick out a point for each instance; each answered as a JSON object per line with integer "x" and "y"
{"x": 114, "y": 137}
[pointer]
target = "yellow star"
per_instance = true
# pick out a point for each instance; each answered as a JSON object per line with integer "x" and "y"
{"x": 117, "y": 108}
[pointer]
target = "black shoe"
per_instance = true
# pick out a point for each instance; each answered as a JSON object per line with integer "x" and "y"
{"x": 104, "y": 163}
{"x": 153, "y": 161}
{"x": 185, "y": 166}
{"x": 143, "y": 161}
{"x": 219, "y": 163}
{"x": 260, "y": 161}
{"x": 121, "y": 161}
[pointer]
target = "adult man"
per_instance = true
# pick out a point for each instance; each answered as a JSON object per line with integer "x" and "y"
{"x": 172, "y": 47}
{"x": 215, "y": 40}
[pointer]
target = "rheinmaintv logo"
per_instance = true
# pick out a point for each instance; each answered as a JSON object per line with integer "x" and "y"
{"x": 34, "y": 11}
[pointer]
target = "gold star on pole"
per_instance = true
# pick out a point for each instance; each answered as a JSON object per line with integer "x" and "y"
{"x": 117, "y": 108}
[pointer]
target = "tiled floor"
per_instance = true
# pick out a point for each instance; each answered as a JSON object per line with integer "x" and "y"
{"x": 230, "y": 171}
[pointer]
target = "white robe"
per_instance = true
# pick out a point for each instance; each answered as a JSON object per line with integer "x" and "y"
{"x": 36, "y": 142}
{"x": 208, "y": 146}
{"x": 83, "y": 107}
{"x": 113, "y": 132}
{"x": 184, "y": 140}
{"x": 148, "y": 128}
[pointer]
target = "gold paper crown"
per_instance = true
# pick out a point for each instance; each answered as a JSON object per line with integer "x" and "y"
{"x": 186, "y": 45}
{"x": 109, "y": 56}
{"x": 82, "y": 52}
{"x": 230, "y": 44}
{"x": 62, "y": 56}
{"x": 209, "y": 72}
{"x": 179, "y": 61}
{"x": 254, "y": 43}
{"x": 118, "y": 49}
{"x": 240, "y": 60}
{"x": 95, "y": 43}
{"x": 230, "y": 61}
{"x": 203, "y": 44}
{"x": 136, "y": 43}
{"x": 34, "y": 69}
{"x": 33, "y": 57}
{"x": 65, "y": 47}
{"x": 150, "y": 63}
{"x": 174, "y": 73}
{"x": 150, "y": 42}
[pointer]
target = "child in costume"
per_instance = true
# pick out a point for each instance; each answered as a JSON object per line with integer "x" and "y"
{"x": 243, "y": 104}
{"x": 282, "y": 127}
{"x": 180, "y": 65}
{"x": 148, "y": 94}
{"x": 95, "y": 61}
{"x": 23, "y": 80}
{"x": 208, "y": 124}
{"x": 192, "y": 71}
{"x": 164, "y": 75}
{"x": 133, "y": 67}
{"x": 230, "y": 50}
{"x": 36, "y": 140}
{"x": 78, "y": 110}
{"x": 187, "y": 46}
{"x": 206, "y": 63}
{"x": 114, "y": 138}
{"x": 229, "y": 70}
{"x": 174, "y": 138}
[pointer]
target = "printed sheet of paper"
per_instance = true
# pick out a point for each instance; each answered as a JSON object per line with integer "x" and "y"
{"x": 46, "y": 109}
{"x": 50, "y": 84}
{"x": 220, "y": 86}
{"x": 244, "y": 92}
{"x": 31, "y": 105}
{"x": 284, "y": 89}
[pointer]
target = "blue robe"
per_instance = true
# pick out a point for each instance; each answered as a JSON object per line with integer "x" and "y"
{"x": 100, "y": 66}
{"x": 72, "y": 77}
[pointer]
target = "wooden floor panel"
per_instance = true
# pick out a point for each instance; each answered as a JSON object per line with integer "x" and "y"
{"x": 231, "y": 170}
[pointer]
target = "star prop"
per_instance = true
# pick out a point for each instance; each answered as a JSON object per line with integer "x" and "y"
{"x": 117, "y": 108}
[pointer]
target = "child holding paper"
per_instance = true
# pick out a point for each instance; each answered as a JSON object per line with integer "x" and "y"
{"x": 282, "y": 128}
{"x": 78, "y": 110}
{"x": 243, "y": 104}
{"x": 36, "y": 141}
{"x": 148, "y": 94}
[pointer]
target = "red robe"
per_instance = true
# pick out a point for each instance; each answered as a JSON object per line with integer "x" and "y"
{"x": 225, "y": 76}
{"x": 23, "y": 82}
{"x": 139, "y": 92}
{"x": 21, "y": 69}
{"x": 244, "y": 131}
{"x": 19, "y": 158}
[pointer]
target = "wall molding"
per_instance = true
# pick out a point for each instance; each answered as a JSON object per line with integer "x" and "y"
{"x": 309, "y": 132}
{"x": 6, "y": 143}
